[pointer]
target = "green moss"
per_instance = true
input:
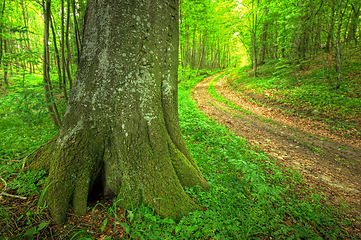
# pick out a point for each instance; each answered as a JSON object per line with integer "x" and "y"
{"x": 187, "y": 174}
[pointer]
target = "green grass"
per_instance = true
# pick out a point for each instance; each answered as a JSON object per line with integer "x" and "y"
{"x": 307, "y": 91}
{"x": 250, "y": 197}
{"x": 24, "y": 121}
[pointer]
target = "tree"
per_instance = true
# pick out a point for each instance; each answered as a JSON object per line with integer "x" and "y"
{"x": 121, "y": 122}
{"x": 206, "y": 33}
{"x": 51, "y": 106}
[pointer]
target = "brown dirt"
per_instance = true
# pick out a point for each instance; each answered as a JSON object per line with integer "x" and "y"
{"x": 98, "y": 222}
{"x": 328, "y": 162}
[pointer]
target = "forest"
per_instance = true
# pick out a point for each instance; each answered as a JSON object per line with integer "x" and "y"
{"x": 260, "y": 128}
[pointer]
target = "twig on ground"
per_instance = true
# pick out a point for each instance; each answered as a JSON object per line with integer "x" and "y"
{"x": 11, "y": 195}
{"x": 5, "y": 184}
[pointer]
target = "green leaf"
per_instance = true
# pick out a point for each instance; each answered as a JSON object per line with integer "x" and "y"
{"x": 130, "y": 215}
{"x": 168, "y": 220}
{"x": 31, "y": 231}
{"x": 42, "y": 225}
{"x": 104, "y": 225}
{"x": 126, "y": 227}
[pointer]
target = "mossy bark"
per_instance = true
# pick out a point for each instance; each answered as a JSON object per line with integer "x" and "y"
{"x": 121, "y": 122}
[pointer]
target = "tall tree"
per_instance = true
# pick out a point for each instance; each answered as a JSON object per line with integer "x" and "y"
{"x": 253, "y": 37}
{"x": 76, "y": 31}
{"x": 51, "y": 105}
{"x": 205, "y": 32}
{"x": 121, "y": 121}
{"x": 68, "y": 45}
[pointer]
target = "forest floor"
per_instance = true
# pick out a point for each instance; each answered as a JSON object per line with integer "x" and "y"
{"x": 250, "y": 196}
{"x": 328, "y": 162}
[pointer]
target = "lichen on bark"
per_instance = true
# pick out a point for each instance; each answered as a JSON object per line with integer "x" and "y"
{"x": 121, "y": 122}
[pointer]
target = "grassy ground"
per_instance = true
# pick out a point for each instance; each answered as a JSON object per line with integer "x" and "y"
{"x": 306, "y": 92}
{"x": 250, "y": 196}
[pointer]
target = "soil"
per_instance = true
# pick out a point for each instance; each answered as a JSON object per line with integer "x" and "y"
{"x": 328, "y": 162}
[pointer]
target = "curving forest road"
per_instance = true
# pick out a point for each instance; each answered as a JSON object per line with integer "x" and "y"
{"x": 328, "y": 162}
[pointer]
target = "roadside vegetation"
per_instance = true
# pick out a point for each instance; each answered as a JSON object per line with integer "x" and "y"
{"x": 305, "y": 92}
{"x": 250, "y": 196}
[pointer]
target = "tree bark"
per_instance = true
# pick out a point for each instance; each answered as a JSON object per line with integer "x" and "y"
{"x": 77, "y": 32}
{"x": 121, "y": 122}
{"x": 62, "y": 45}
{"x": 3, "y": 45}
{"x": 6, "y": 63}
{"x": 253, "y": 42}
{"x": 355, "y": 16}
{"x": 338, "y": 47}
{"x": 329, "y": 43}
{"x": 68, "y": 50}
{"x": 263, "y": 40}
{"x": 54, "y": 114}
{"x": 57, "y": 57}
{"x": 326, "y": 71}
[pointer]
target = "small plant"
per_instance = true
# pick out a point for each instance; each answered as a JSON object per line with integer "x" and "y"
{"x": 28, "y": 183}
{"x": 35, "y": 230}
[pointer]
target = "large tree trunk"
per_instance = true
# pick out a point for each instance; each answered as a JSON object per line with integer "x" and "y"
{"x": 121, "y": 121}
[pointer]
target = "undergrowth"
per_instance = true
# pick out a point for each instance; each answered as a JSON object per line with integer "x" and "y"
{"x": 308, "y": 94}
{"x": 250, "y": 197}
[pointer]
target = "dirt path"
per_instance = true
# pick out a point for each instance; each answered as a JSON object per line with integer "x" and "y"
{"x": 328, "y": 162}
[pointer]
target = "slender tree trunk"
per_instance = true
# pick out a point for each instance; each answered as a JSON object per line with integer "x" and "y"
{"x": 205, "y": 52}
{"x": 62, "y": 43}
{"x": 194, "y": 47}
{"x": 58, "y": 62}
{"x": 121, "y": 122}
{"x": 54, "y": 115}
{"x": 262, "y": 50}
{"x": 355, "y": 15}
{"x": 338, "y": 48}
{"x": 27, "y": 33}
{"x": 2, "y": 42}
{"x": 329, "y": 43}
{"x": 318, "y": 37}
{"x": 77, "y": 32}
{"x": 68, "y": 47}
{"x": 275, "y": 46}
{"x": 253, "y": 40}
{"x": 201, "y": 54}
{"x": 6, "y": 64}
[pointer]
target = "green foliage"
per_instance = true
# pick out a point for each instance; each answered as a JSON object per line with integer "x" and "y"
{"x": 306, "y": 93}
{"x": 206, "y": 32}
{"x": 250, "y": 197}
{"x": 22, "y": 113}
{"x": 35, "y": 230}
{"x": 28, "y": 183}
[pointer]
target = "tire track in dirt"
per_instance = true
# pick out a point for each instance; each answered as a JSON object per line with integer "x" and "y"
{"x": 332, "y": 165}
